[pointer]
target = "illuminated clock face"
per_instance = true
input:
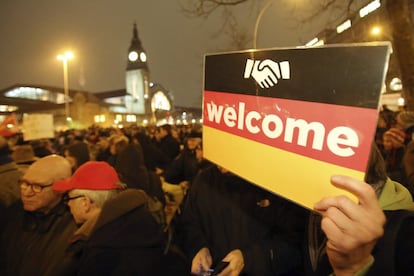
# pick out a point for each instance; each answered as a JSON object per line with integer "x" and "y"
{"x": 143, "y": 57}
{"x": 133, "y": 56}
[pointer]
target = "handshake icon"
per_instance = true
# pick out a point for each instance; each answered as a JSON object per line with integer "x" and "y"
{"x": 267, "y": 72}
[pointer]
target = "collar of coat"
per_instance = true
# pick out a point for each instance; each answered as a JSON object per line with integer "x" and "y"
{"x": 114, "y": 208}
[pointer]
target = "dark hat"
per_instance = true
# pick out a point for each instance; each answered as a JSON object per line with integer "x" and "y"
{"x": 194, "y": 134}
{"x": 23, "y": 154}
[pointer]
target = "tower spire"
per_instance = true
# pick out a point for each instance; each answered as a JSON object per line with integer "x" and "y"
{"x": 136, "y": 49}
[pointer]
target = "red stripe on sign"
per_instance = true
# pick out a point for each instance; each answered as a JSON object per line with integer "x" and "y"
{"x": 336, "y": 134}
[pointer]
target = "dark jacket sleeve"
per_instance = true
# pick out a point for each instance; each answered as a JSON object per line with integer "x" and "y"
{"x": 174, "y": 172}
{"x": 408, "y": 163}
{"x": 282, "y": 249}
{"x": 195, "y": 238}
{"x": 393, "y": 253}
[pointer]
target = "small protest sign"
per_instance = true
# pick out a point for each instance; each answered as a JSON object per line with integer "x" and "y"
{"x": 38, "y": 126}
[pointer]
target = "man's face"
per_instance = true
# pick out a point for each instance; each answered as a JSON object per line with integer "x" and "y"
{"x": 36, "y": 184}
{"x": 162, "y": 132}
{"x": 192, "y": 143}
{"x": 37, "y": 195}
{"x": 77, "y": 207}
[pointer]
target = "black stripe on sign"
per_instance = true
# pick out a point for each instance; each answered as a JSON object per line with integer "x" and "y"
{"x": 350, "y": 74}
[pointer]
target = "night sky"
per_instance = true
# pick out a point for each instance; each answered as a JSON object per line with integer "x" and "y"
{"x": 99, "y": 33}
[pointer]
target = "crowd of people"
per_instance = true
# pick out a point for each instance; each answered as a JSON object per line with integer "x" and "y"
{"x": 98, "y": 202}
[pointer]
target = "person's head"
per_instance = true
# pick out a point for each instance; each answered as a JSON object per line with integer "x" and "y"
{"x": 193, "y": 140}
{"x": 77, "y": 154}
{"x": 131, "y": 168}
{"x": 103, "y": 142}
{"x": 164, "y": 130}
{"x": 117, "y": 143}
{"x": 24, "y": 154}
{"x": 89, "y": 188}
{"x": 405, "y": 119}
{"x": 36, "y": 184}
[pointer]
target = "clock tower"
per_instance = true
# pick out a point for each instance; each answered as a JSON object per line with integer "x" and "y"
{"x": 137, "y": 77}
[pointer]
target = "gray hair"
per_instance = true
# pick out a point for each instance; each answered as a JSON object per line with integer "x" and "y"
{"x": 98, "y": 197}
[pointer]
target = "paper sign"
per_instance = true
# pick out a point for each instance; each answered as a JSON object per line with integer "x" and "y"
{"x": 288, "y": 119}
{"x": 38, "y": 126}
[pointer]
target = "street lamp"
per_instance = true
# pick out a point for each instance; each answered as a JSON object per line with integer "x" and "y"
{"x": 64, "y": 58}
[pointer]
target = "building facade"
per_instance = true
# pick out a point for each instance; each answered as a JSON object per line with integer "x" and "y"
{"x": 141, "y": 102}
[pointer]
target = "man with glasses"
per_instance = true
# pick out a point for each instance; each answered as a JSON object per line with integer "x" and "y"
{"x": 117, "y": 235}
{"x": 38, "y": 226}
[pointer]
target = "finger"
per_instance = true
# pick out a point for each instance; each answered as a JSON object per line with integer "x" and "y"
{"x": 342, "y": 240}
{"x": 355, "y": 220}
{"x": 226, "y": 271}
{"x": 342, "y": 204}
{"x": 364, "y": 192}
{"x": 332, "y": 232}
{"x": 338, "y": 217}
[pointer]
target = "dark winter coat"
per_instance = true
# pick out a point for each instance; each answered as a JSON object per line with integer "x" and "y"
{"x": 34, "y": 243}
{"x": 184, "y": 168}
{"x": 9, "y": 184}
{"x": 125, "y": 240}
{"x": 225, "y": 212}
{"x": 170, "y": 147}
{"x": 393, "y": 251}
{"x": 153, "y": 156}
{"x": 132, "y": 171}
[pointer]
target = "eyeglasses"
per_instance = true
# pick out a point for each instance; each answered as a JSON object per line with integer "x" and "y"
{"x": 37, "y": 188}
{"x": 67, "y": 198}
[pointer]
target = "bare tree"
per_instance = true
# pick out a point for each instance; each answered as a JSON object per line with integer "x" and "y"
{"x": 403, "y": 45}
{"x": 203, "y": 8}
{"x": 402, "y": 29}
{"x": 239, "y": 37}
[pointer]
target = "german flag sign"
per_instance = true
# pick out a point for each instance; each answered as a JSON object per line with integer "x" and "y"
{"x": 288, "y": 119}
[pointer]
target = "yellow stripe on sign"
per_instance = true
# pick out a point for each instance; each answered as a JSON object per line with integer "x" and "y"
{"x": 301, "y": 179}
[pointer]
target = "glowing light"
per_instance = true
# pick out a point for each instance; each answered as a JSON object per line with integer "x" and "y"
{"x": 375, "y": 30}
{"x": 396, "y": 84}
{"x": 315, "y": 42}
{"x": 370, "y": 7}
{"x": 8, "y": 108}
{"x": 344, "y": 26}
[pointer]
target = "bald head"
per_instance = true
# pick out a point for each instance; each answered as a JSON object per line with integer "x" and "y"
{"x": 49, "y": 169}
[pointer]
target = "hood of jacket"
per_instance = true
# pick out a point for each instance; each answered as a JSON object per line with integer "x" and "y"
{"x": 395, "y": 196}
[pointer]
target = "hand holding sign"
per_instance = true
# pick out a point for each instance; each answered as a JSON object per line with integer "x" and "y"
{"x": 352, "y": 229}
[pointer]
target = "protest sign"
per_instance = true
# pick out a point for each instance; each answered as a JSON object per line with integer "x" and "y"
{"x": 38, "y": 126}
{"x": 288, "y": 119}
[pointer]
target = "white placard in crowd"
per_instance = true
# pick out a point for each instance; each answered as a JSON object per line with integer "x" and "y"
{"x": 38, "y": 126}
